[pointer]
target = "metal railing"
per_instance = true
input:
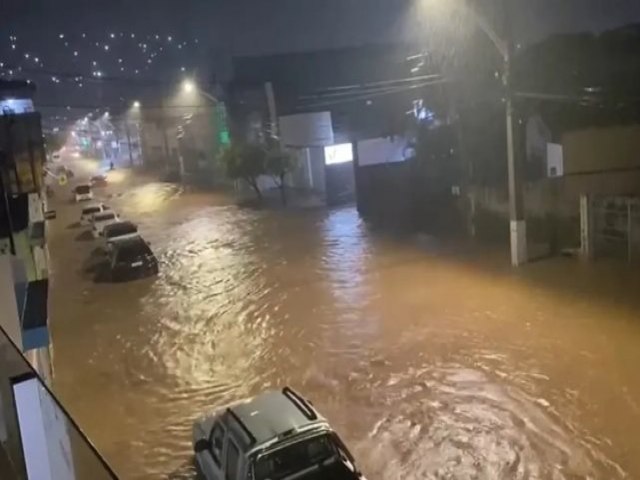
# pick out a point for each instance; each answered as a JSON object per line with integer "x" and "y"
{"x": 38, "y": 437}
{"x": 616, "y": 227}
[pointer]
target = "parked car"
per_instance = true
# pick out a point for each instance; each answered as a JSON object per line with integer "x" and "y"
{"x": 120, "y": 230}
{"x": 56, "y": 156}
{"x": 83, "y": 192}
{"x": 130, "y": 258}
{"x": 99, "y": 181}
{"x": 90, "y": 210}
{"x": 100, "y": 219}
{"x": 274, "y": 436}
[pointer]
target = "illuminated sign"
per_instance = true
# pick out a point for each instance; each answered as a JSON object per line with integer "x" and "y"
{"x": 334, "y": 154}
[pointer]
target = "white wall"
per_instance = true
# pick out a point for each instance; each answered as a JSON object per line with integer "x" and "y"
{"x": 381, "y": 150}
{"x": 36, "y": 213}
{"x": 306, "y": 129}
{"x": 45, "y": 441}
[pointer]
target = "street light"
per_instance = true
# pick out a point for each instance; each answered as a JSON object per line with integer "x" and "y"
{"x": 136, "y": 104}
{"x": 188, "y": 86}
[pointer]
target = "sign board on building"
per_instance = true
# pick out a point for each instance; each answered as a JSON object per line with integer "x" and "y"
{"x": 334, "y": 154}
{"x": 306, "y": 130}
{"x": 555, "y": 160}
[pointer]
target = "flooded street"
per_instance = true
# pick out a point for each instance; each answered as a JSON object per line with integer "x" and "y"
{"x": 431, "y": 363}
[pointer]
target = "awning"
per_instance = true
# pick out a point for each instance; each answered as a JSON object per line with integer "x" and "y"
{"x": 35, "y": 327}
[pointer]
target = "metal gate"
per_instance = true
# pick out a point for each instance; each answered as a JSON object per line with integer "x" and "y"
{"x": 615, "y": 227}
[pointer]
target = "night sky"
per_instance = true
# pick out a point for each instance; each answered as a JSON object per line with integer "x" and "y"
{"x": 143, "y": 47}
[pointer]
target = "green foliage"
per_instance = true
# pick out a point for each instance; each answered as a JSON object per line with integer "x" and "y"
{"x": 279, "y": 163}
{"x": 244, "y": 161}
{"x": 54, "y": 141}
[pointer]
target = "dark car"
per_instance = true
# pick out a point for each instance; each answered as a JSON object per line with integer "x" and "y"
{"x": 131, "y": 258}
{"x": 278, "y": 435}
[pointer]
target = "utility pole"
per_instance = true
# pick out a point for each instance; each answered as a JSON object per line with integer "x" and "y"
{"x": 126, "y": 129}
{"x": 517, "y": 222}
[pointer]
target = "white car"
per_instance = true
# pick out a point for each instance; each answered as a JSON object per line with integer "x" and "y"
{"x": 100, "y": 220}
{"x": 90, "y": 210}
{"x": 56, "y": 157}
{"x": 83, "y": 192}
{"x": 118, "y": 231}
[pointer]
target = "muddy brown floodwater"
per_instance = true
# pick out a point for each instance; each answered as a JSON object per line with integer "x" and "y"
{"x": 432, "y": 363}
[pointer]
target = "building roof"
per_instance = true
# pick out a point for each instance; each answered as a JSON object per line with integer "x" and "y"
{"x": 16, "y": 89}
{"x": 273, "y": 414}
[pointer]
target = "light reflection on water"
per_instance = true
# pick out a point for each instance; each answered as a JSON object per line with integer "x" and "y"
{"x": 430, "y": 365}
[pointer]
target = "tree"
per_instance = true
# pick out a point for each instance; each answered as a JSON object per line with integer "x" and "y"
{"x": 278, "y": 164}
{"x": 244, "y": 161}
{"x": 55, "y": 141}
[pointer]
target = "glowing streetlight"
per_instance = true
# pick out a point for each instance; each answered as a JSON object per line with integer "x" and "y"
{"x": 188, "y": 86}
{"x": 136, "y": 104}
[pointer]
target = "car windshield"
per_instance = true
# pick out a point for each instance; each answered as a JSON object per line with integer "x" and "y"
{"x": 291, "y": 459}
{"x": 104, "y": 217}
{"x": 120, "y": 229}
{"x": 132, "y": 251}
{"x": 90, "y": 210}
{"x": 83, "y": 189}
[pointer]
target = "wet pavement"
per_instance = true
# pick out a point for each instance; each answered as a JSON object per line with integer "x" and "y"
{"x": 431, "y": 361}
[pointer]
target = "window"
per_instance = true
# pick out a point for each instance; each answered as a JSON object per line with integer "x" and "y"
{"x": 83, "y": 189}
{"x": 104, "y": 217}
{"x": 133, "y": 251}
{"x": 217, "y": 442}
{"x": 119, "y": 229}
{"x": 289, "y": 460}
{"x": 233, "y": 454}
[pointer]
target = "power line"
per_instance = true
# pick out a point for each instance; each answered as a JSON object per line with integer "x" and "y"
{"x": 87, "y": 106}
{"x": 389, "y": 91}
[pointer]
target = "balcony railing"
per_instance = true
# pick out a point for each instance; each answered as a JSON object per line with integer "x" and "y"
{"x": 38, "y": 437}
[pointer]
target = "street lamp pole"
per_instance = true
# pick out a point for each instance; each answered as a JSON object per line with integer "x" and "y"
{"x": 517, "y": 222}
{"x": 504, "y": 45}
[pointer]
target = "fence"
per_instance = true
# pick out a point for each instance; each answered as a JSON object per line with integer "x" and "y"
{"x": 611, "y": 227}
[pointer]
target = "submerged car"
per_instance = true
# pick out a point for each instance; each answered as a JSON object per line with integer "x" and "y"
{"x": 130, "y": 258}
{"x": 275, "y": 436}
{"x": 99, "y": 181}
{"x": 120, "y": 230}
{"x": 83, "y": 193}
{"x": 102, "y": 219}
{"x": 90, "y": 210}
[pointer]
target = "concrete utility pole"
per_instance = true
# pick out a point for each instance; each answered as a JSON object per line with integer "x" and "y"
{"x": 517, "y": 222}
{"x": 126, "y": 128}
{"x": 504, "y": 45}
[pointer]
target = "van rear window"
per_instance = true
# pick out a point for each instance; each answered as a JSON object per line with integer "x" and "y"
{"x": 90, "y": 210}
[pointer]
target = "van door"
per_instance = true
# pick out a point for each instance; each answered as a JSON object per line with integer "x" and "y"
{"x": 232, "y": 461}
{"x": 210, "y": 457}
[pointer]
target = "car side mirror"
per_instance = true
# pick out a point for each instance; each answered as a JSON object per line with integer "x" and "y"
{"x": 50, "y": 215}
{"x": 201, "y": 445}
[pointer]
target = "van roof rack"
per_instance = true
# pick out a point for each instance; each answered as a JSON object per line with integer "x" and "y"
{"x": 303, "y": 405}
